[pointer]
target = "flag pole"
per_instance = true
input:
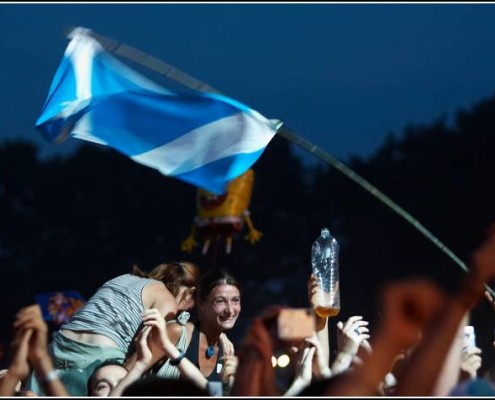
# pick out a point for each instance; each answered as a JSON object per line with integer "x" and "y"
{"x": 135, "y": 55}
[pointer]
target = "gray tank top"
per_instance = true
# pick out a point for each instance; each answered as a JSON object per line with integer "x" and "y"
{"x": 114, "y": 310}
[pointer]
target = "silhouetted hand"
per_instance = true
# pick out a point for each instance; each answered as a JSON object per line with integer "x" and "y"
{"x": 29, "y": 325}
{"x": 31, "y": 318}
{"x": 19, "y": 365}
{"x": 481, "y": 272}
{"x": 408, "y": 307}
{"x": 255, "y": 375}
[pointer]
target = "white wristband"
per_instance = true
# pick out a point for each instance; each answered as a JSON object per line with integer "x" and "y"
{"x": 51, "y": 376}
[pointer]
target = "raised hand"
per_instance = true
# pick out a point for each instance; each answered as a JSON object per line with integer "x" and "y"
{"x": 408, "y": 307}
{"x": 471, "y": 361}
{"x": 312, "y": 290}
{"x": 18, "y": 371}
{"x": 255, "y": 375}
{"x": 352, "y": 334}
{"x": 227, "y": 345}
{"x": 481, "y": 272}
{"x": 33, "y": 331}
{"x": 229, "y": 369}
{"x": 153, "y": 319}
{"x": 144, "y": 354}
{"x": 303, "y": 373}
{"x": 19, "y": 365}
{"x": 30, "y": 318}
{"x": 313, "y": 293}
{"x": 305, "y": 364}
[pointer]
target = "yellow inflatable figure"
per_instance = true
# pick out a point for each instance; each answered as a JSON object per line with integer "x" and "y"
{"x": 223, "y": 215}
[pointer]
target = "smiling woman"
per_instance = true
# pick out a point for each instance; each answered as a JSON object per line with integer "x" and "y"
{"x": 219, "y": 303}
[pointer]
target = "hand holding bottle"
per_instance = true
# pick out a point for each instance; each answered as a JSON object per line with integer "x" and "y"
{"x": 325, "y": 266}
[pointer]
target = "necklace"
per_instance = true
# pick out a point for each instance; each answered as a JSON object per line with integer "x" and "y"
{"x": 210, "y": 350}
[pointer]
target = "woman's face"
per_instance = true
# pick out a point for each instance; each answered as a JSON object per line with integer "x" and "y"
{"x": 222, "y": 306}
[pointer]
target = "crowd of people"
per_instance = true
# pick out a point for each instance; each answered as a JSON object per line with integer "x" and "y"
{"x": 135, "y": 337}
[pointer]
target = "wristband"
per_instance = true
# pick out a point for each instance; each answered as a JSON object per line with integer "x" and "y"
{"x": 176, "y": 361}
{"x": 51, "y": 376}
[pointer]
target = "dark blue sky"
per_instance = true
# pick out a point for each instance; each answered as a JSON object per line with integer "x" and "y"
{"x": 340, "y": 75}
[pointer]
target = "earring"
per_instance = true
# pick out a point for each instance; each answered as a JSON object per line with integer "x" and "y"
{"x": 183, "y": 317}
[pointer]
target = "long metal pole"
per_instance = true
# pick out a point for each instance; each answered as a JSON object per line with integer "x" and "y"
{"x": 190, "y": 82}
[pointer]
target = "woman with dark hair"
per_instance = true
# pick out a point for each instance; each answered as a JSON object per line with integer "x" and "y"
{"x": 219, "y": 306}
{"x": 106, "y": 325}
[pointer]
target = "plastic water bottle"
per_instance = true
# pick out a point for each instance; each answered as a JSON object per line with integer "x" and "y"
{"x": 325, "y": 265}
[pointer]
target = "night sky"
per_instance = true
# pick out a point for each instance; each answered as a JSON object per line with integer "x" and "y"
{"x": 340, "y": 75}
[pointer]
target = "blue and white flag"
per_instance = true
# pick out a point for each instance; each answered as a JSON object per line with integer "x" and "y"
{"x": 202, "y": 138}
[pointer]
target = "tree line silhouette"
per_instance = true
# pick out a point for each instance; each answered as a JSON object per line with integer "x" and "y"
{"x": 70, "y": 223}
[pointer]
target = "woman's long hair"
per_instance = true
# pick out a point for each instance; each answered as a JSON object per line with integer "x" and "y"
{"x": 172, "y": 274}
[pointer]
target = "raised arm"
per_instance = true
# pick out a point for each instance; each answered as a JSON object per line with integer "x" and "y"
{"x": 141, "y": 364}
{"x": 449, "y": 374}
{"x": 321, "y": 322}
{"x": 303, "y": 373}
{"x": 30, "y": 319}
{"x": 18, "y": 369}
{"x": 255, "y": 375}
{"x": 152, "y": 318}
{"x": 421, "y": 373}
{"x": 154, "y": 325}
{"x": 408, "y": 307}
{"x": 349, "y": 337}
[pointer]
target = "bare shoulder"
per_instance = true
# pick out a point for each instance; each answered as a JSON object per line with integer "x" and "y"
{"x": 174, "y": 330}
{"x": 151, "y": 291}
{"x": 156, "y": 295}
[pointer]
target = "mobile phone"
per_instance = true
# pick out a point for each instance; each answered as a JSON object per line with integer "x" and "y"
{"x": 295, "y": 324}
{"x": 469, "y": 337}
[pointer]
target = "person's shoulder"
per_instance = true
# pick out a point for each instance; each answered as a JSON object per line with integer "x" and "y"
{"x": 159, "y": 297}
{"x": 159, "y": 289}
{"x": 174, "y": 330}
{"x": 122, "y": 277}
{"x": 173, "y": 327}
{"x": 157, "y": 292}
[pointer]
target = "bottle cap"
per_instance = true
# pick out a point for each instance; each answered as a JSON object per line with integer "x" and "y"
{"x": 325, "y": 233}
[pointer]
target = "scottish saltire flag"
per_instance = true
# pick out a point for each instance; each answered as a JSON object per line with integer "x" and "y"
{"x": 201, "y": 138}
